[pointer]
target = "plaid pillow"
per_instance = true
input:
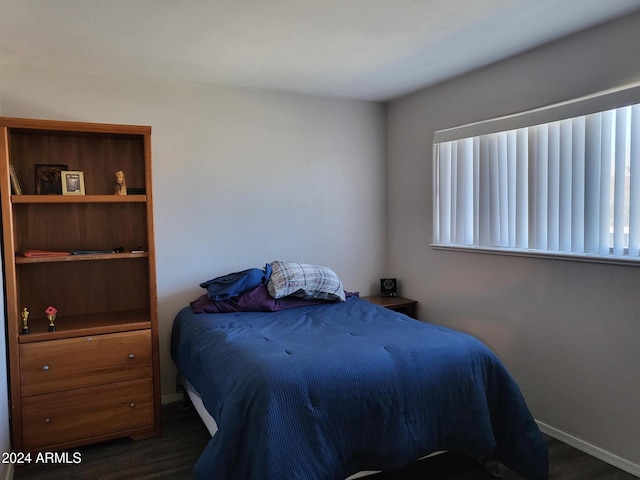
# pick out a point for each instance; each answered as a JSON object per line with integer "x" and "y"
{"x": 306, "y": 281}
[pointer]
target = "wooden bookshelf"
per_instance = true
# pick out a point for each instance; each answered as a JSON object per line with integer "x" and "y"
{"x": 106, "y": 302}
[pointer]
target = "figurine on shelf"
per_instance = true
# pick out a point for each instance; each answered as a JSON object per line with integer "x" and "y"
{"x": 121, "y": 184}
{"x": 25, "y": 318}
{"x": 51, "y": 315}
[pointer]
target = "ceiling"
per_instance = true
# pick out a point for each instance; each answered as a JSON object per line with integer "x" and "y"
{"x": 361, "y": 49}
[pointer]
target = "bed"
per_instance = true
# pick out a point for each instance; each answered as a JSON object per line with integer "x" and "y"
{"x": 322, "y": 389}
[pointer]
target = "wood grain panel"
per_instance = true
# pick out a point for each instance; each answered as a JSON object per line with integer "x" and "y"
{"x": 98, "y": 155}
{"x": 84, "y": 361}
{"x": 89, "y": 286}
{"x": 57, "y": 418}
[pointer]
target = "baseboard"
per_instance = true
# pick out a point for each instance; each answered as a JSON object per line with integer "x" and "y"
{"x": 172, "y": 398}
{"x": 597, "y": 452}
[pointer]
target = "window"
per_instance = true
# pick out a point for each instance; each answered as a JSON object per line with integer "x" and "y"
{"x": 562, "y": 180}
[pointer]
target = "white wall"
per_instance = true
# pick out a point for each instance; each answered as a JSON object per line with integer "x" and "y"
{"x": 568, "y": 331}
{"x": 240, "y": 177}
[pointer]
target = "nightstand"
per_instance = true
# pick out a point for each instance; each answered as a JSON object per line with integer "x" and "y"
{"x": 397, "y": 304}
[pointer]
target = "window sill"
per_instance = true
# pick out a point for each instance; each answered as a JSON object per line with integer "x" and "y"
{"x": 573, "y": 257}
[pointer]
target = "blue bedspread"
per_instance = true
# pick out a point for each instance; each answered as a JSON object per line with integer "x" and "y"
{"x": 324, "y": 391}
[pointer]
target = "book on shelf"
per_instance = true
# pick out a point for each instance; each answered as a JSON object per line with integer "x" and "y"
{"x": 44, "y": 253}
{"x": 91, "y": 252}
{"x": 16, "y": 187}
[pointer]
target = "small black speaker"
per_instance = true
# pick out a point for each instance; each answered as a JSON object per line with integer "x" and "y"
{"x": 388, "y": 287}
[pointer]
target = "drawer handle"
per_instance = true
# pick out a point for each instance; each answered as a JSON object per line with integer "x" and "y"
{"x": 89, "y": 339}
{"x": 47, "y": 420}
{"x": 131, "y": 355}
{"x": 132, "y": 404}
{"x": 45, "y": 368}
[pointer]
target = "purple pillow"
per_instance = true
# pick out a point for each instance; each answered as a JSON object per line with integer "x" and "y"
{"x": 255, "y": 300}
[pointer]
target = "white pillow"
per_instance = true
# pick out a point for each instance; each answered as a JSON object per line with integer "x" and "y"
{"x": 306, "y": 281}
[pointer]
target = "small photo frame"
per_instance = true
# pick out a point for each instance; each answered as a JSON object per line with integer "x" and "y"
{"x": 72, "y": 182}
{"x": 49, "y": 179}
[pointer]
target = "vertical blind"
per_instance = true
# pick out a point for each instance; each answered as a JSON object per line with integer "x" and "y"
{"x": 571, "y": 185}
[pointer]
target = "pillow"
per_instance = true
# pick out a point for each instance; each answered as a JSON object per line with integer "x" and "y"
{"x": 254, "y": 300}
{"x": 306, "y": 281}
{"x": 234, "y": 284}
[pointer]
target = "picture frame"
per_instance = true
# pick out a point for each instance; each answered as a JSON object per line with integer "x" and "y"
{"x": 49, "y": 179}
{"x": 72, "y": 182}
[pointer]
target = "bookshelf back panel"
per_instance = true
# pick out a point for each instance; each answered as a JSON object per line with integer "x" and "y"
{"x": 99, "y": 156}
{"x": 80, "y": 226}
{"x": 77, "y": 288}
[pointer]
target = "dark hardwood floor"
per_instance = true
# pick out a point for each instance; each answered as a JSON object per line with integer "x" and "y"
{"x": 172, "y": 457}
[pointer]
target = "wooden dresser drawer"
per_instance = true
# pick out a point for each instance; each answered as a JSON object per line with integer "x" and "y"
{"x": 56, "y": 418}
{"x": 56, "y": 365}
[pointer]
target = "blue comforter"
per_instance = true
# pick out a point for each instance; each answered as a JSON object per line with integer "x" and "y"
{"x": 324, "y": 391}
